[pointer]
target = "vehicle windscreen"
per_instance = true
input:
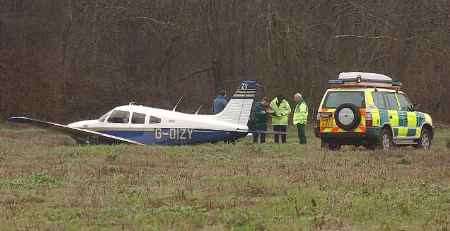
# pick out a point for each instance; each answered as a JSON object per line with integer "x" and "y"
{"x": 336, "y": 98}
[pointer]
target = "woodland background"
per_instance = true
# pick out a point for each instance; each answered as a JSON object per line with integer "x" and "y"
{"x": 65, "y": 60}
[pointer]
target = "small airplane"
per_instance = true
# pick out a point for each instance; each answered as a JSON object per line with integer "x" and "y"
{"x": 136, "y": 124}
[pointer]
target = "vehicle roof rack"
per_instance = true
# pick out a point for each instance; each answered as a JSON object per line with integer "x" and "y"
{"x": 363, "y": 79}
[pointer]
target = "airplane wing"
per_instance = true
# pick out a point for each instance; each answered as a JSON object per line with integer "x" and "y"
{"x": 80, "y": 135}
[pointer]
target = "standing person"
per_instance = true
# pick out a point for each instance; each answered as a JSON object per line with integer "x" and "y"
{"x": 260, "y": 121}
{"x": 220, "y": 102}
{"x": 280, "y": 117}
{"x": 300, "y": 117}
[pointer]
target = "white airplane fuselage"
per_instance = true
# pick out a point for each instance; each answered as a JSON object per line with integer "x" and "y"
{"x": 161, "y": 126}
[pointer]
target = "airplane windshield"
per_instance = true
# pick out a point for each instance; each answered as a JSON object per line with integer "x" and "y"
{"x": 103, "y": 117}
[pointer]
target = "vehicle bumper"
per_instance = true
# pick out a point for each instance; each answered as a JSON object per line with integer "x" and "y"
{"x": 369, "y": 137}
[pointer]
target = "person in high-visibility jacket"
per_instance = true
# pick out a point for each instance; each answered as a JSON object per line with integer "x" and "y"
{"x": 280, "y": 117}
{"x": 300, "y": 117}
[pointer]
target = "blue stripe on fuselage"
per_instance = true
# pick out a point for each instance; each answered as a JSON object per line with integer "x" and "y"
{"x": 176, "y": 136}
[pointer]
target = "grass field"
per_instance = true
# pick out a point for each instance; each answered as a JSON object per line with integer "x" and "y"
{"x": 47, "y": 183}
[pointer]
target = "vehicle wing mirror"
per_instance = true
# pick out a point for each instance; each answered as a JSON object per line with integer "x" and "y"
{"x": 413, "y": 107}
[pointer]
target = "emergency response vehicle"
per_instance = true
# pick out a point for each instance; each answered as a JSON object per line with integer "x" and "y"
{"x": 371, "y": 110}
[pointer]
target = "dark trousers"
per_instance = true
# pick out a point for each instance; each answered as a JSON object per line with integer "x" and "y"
{"x": 280, "y": 129}
{"x": 257, "y": 136}
{"x": 301, "y": 133}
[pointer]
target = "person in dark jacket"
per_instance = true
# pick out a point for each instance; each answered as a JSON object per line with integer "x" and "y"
{"x": 260, "y": 121}
{"x": 220, "y": 102}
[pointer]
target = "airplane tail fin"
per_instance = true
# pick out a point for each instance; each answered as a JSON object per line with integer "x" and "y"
{"x": 240, "y": 105}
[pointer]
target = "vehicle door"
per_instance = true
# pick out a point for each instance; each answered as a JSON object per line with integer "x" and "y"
{"x": 381, "y": 114}
{"x": 407, "y": 117}
{"x": 332, "y": 101}
{"x": 392, "y": 109}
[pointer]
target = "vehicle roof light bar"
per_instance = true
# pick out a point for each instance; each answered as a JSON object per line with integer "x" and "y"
{"x": 335, "y": 81}
{"x": 397, "y": 83}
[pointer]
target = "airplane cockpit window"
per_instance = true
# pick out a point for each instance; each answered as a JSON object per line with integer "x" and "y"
{"x": 119, "y": 117}
{"x": 154, "y": 120}
{"x": 103, "y": 117}
{"x": 138, "y": 118}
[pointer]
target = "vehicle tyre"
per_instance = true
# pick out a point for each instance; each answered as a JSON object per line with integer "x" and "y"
{"x": 334, "y": 146}
{"x": 386, "y": 140}
{"x": 330, "y": 146}
{"x": 347, "y": 116}
{"x": 425, "y": 139}
{"x": 370, "y": 146}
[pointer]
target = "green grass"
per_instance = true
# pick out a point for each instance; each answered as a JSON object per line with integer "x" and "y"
{"x": 48, "y": 183}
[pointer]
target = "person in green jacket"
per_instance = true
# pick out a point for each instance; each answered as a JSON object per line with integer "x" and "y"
{"x": 300, "y": 117}
{"x": 260, "y": 121}
{"x": 280, "y": 117}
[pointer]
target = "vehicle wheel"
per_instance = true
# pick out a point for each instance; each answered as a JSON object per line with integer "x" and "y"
{"x": 334, "y": 147}
{"x": 425, "y": 140}
{"x": 371, "y": 146}
{"x": 330, "y": 146}
{"x": 386, "y": 142}
{"x": 347, "y": 116}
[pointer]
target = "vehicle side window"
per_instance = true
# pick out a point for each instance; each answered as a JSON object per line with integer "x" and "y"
{"x": 378, "y": 99}
{"x": 404, "y": 102}
{"x": 119, "y": 117}
{"x": 391, "y": 101}
{"x": 154, "y": 120}
{"x": 138, "y": 118}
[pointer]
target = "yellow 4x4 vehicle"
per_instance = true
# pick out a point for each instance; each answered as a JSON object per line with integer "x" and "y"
{"x": 370, "y": 109}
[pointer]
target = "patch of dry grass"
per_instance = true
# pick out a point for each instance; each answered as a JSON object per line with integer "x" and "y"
{"x": 47, "y": 184}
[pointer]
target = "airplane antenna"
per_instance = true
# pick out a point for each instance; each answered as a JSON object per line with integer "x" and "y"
{"x": 198, "y": 109}
{"x": 176, "y": 105}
